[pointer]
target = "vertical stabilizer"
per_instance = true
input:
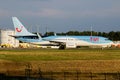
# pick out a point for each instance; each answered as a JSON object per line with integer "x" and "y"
{"x": 20, "y": 30}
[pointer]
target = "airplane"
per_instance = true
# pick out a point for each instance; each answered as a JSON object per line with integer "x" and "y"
{"x": 22, "y": 34}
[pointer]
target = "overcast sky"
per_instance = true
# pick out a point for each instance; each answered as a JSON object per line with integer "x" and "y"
{"x": 62, "y": 15}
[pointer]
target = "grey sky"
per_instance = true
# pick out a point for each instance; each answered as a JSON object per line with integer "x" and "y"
{"x": 62, "y": 15}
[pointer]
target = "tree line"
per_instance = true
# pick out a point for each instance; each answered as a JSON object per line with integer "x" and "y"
{"x": 114, "y": 36}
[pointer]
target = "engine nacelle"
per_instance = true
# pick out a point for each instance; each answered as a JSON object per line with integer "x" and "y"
{"x": 70, "y": 45}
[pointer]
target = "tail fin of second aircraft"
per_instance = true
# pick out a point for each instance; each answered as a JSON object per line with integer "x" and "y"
{"x": 20, "y": 30}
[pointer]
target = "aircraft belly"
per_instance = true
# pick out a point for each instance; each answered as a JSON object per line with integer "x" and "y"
{"x": 85, "y": 43}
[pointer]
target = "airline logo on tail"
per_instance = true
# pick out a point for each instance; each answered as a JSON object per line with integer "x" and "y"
{"x": 19, "y": 30}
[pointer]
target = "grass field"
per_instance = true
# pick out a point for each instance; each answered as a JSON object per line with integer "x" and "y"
{"x": 95, "y": 60}
{"x": 58, "y": 55}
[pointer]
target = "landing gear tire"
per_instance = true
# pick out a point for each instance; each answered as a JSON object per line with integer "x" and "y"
{"x": 62, "y": 47}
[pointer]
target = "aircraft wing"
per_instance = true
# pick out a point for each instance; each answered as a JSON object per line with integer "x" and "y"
{"x": 55, "y": 42}
{"x": 58, "y": 42}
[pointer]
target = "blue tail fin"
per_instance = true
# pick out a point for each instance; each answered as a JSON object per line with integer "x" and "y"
{"x": 20, "y": 30}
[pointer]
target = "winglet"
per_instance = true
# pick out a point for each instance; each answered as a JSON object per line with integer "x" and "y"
{"x": 39, "y": 36}
{"x": 55, "y": 34}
